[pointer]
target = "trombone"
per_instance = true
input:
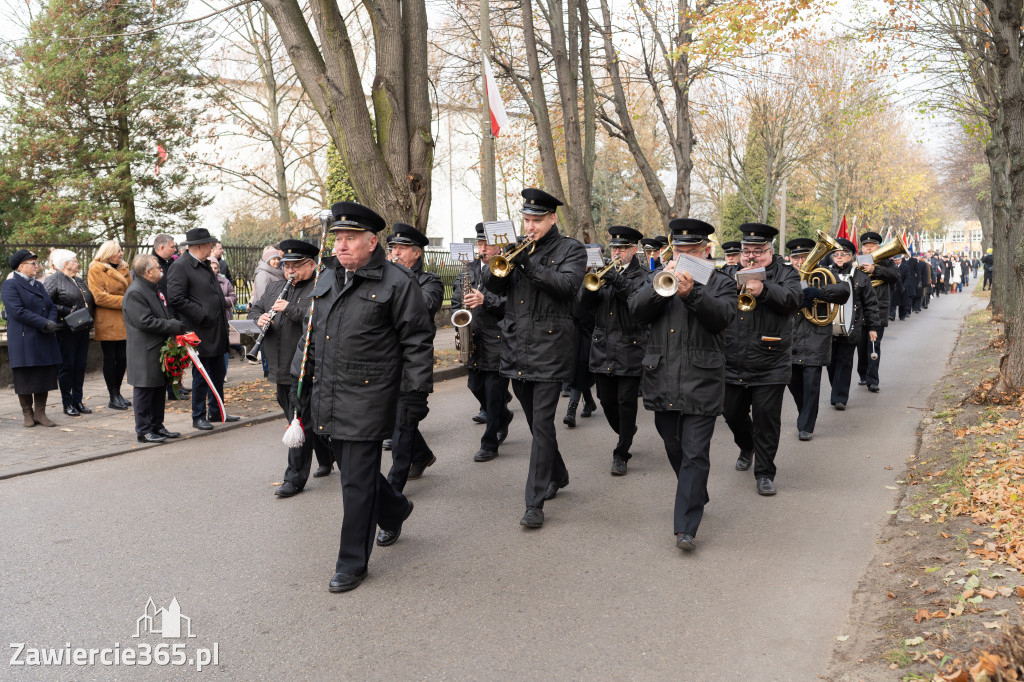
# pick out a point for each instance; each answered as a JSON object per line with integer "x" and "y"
{"x": 502, "y": 265}
{"x": 595, "y": 280}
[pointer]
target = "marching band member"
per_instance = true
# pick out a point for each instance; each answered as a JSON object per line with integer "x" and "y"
{"x": 867, "y": 368}
{"x": 732, "y": 258}
{"x": 758, "y": 356}
{"x": 536, "y": 331}
{"x": 812, "y": 344}
{"x": 618, "y": 341}
{"x": 683, "y": 370}
{"x": 485, "y": 381}
{"x": 651, "y": 249}
{"x": 865, "y": 318}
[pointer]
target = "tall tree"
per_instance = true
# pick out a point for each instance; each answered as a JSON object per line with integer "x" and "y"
{"x": 97, "y": 93}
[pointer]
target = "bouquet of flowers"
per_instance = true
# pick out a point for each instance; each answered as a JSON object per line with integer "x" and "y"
{"x": 175, "y": 359}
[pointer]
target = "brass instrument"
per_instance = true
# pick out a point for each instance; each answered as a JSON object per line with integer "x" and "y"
{"x": 890, "y": 250}
{"x": 746, "y": 300}
{"x": 818, "y": 277}
{"x": 254, "y": 352}
{"x": 461, "y": 319}
{"x": 595, "y": 280}
{"x": 502, "y": 265}
{"x": 665, "y": 283}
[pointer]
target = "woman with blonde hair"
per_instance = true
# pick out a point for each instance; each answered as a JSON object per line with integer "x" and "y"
{"x": 109, "y": 278}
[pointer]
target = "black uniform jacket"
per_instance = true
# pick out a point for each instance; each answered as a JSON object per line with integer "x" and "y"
{"x": 812, "y": 345}
{"x": 370, "y": 340}
{"x": 432, "y": 289}
{"x": 865, "y": 304}
{"x": 287, "y": 330}
{"x": 538, "y": 331}
{"x": 148, "y": 324}
{"x": 486, "y": 355}
{"x": 909, "y": 279}
{"x": 758, "y": 348}
{"x": 890, "y": 276}
{"x": 684, "y": 366}
{"x": 618, "y": 340}
{"x": 197, "y": 299}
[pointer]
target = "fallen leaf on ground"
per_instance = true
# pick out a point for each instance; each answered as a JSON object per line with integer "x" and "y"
{"x": 922, "y": 614}
{"x": 890, "y": 595}
{"x": 913, "y": 641}
{"x": 842, "y": 638}
{"x": 994, "y": 625}
{"x": 987, "y": 593}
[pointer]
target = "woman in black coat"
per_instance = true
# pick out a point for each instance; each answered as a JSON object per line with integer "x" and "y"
{"x": 31, "y": 343}
{"x": 70, "y": 293}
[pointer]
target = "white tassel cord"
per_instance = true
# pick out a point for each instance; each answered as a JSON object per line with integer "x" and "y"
{"x": 294, "y": 435}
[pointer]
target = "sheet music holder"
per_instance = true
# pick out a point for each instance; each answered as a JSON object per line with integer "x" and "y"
{"x": 248, "y": 327}
{"x": 699, "y": 269}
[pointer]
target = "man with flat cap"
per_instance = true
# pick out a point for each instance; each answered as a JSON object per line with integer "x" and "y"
{"x": 732, "y": 258}
{"x": 370, "y": 342}
{"x": 886, "y": 272}
{"x": 284, "y": 334}
{"x": 410, "y": 454}
{"x": 618, "y": 341}
{"x": 758, "y": 353}
{"x": 684, "y": 369}
{"x": 812, "y": 344}
{"x": 538, "y": 328}
{"x": 484, "y": 378}
{"x": 864, "y": 322}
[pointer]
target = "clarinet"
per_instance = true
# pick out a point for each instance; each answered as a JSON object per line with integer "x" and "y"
{"x": 254, "y": 352}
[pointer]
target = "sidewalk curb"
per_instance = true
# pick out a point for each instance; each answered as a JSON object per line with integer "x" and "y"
{"x": 450, "y": 373}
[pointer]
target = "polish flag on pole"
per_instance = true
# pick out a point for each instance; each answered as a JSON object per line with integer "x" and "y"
{"x": 844, "y": 231}
{"x": 161, "y": 156}
{"x": 498, "y": 117}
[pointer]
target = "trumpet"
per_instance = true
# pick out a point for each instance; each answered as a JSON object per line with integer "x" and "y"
{"x": 595, "y": 280}
{"x": 502, "y": 266}
{"x": 746, "y": 300}
{"x": 665, "y": 283}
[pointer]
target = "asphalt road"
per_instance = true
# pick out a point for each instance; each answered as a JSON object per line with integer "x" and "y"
{"x": 599, "y": 592}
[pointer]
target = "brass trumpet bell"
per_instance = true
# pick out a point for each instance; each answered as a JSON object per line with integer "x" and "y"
{"x": 502, "y": 266}
{"x": 595, "y": 280}
{"x": 461, "y": 317}
{"x": 890, "y": 250}
{"x": 746, "y": 300}
{"x": 822, "y": 313}
{"x": 665, "y": 283}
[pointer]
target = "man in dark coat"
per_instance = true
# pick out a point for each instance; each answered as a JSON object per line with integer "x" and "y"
{"x": 485, "y": 381}
{"x": 285, "y": 332}
{"x": 410, "y": 454}
{"x": 618, "y": 341}
{"x": 536, "y": 332}
{"x": 987, "y": 262}
{"x": 371, "y": 341}
{"x": 909, "y": 283}
{"x": 924, "y": 283}
{"x": 888, "y": 275}
{"x": 684, "y": 370}
{"x": 732, "y": 258}
{"x": 195, "y": 295}
{"x": 758, "y": 355}
{"x": 148, "y": 324}
{"x": 651, "y": 248}
{"x": 812, "y": 343}
{"x": 164, "y": 249}
{"x": 865, "y": 322}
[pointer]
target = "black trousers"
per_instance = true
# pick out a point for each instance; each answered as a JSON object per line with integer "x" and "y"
{"x": 906, "y": 302}
{"x": 367, "y": 500}
{"x": 916, "y": 301}
{"x": 300, "y": 459}
{"x": 805, "y": 386}
{"x": 840, "y": 370}
{"x": 687, "y": 440}
{"x": 618, "y": 396}
{"x": 407, "y": 446}
{"x": 986, "y": 280}
{"x": 490, "y": 389}
{"x": 204, "y": 404}
{"x": 74, "y": 355}
{"x": 754, "y": 415}
{"x": 867, "y": 368}
{"x": 927, "y": 297}
{"x": 115, "y": 363}
{"x": 148, "y": 404}
{"x": 539, "y": 400}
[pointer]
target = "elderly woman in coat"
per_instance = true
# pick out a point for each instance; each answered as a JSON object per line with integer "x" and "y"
{"x": 69, "y": 294}
{"x": 31, "y": 340}
{"x": 267, "y": 270}
{"x": 108, "y": 281}
{"x": 148, "y": 325}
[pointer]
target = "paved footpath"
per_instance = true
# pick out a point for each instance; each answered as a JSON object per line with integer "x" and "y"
{"x": 599, "y": 592}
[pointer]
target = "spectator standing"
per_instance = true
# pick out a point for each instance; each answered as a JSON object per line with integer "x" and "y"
{"x": 230, "y": 298}
{"x": 957, "y": 275}
{"x": 986, "y": 264}
{"x": 218, "y": 255}
{"x": 267, "y": 270}
{"x": 164, "y": 249}
{"x": 109, "y": 278}
{"x": 31, "y": 340}
{"x": 69, "y": 293}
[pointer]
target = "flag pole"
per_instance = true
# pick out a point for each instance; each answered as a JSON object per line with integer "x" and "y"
{"x": 488, "y": 184}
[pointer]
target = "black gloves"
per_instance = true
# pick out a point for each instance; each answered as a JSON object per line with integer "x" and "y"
{"x": 50, "y": 327}
{"x": 810, "y": 293}
{"x": 415, "y": 408}
{"x": 293, "y": 397}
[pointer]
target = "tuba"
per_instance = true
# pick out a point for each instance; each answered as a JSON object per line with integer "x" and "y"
{"x": 822, "y": 314}
{"x": 502, "y": 266}
{"x": 890, "y": 250}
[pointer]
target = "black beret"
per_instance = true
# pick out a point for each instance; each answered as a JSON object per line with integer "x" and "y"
{"x": 293, "y": 250}
{"x": 19, "y": 257}
{"x": 623, "y": 236}
{"x": 408, "y": 235}
{"x": 846, "y": 245}
{"x": 731, "y": 247}
{"x": 689, "y": 231}
{"x": 871, "y": 238}
{"x": 538, "y": 202}
{"x": 348, "y": 215}
{"x": 799, "y": 246}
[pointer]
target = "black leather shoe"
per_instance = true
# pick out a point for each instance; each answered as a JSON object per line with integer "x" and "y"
{"x": 70, "y": 411}
{"x": 343, "y": 582}
{"x": 502, "y": 433}
{"x": 167, "y": 434}
{"x": 553, "y": 488}
{"x": 806, "y": 435}
{"x": 765, "y": 486}
{"x": 744, "y": 461}
{"x": 202, "y": 425}
{"x": 82, "y": 408}
{"x": 185, "y": 393}
{"x": 533, "y": 518}
{"x": 227, "y": 418}
{"x": 480, "y": 418}
{"x": 588, "y": 409}
{"x": 685, "y": 542}
{"x": 386, "y": 445}
{"x": 484, "y": 455}
{"x": 873, "y": 389}
{"x": 416, "y": 470}
{"x": 151, "y": 438}
{"x": 569, "y": 420}
{"x": 117, "y": 403}
{"x": 386, "y": 538}
{"x": 862, "y": 382}
{"x": 287, "y": 489}
{"x": 840, "y": 406}
{"x": 618, "y": 466}
{"x": 323, "y": 471}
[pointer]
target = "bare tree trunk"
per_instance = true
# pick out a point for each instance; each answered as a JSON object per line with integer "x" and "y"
{"x": 127, "y": 195}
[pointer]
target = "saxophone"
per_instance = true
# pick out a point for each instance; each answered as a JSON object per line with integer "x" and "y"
{"x": 461, "y": 319}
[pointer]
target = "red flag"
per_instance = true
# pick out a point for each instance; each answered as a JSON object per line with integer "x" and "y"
{"x": 499, "y": 119}
{"x": 161, "y": 156}
{"x": 844, "y": 232}
{"x": 853, "y": 237}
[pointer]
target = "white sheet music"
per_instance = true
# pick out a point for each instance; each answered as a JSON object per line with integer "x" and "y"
{"x": 500, "y": 232}
{"x": 594, "y": 257}
{"x": 698, "y": 268}
{"x": 463, "y": 253}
